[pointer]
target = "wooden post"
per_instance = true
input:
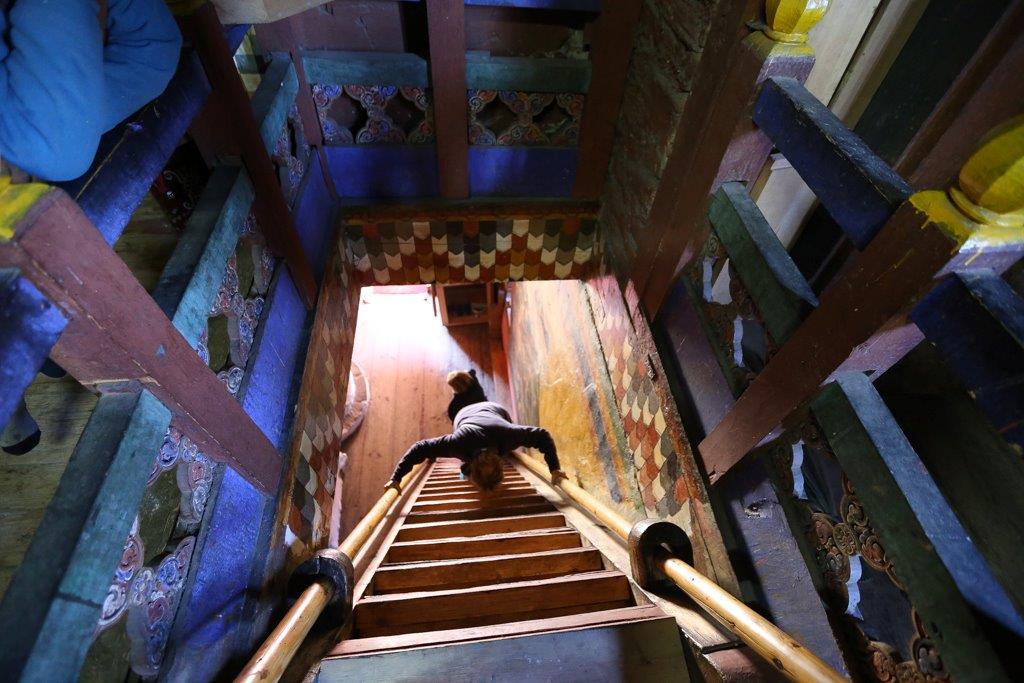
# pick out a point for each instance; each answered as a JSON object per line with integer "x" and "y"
{"x": 271, "y": 209}
{"x": 610, "y": 53}
{"x": 979, "y": 223}
{"x": 716, "y": 140}
{"x": 446, "y": 31}
{"x": 116, "y": 333}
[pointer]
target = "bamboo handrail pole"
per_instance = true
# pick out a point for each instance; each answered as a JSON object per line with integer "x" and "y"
{"x": 791, "y": 658}
{"x": 276, "y": 652}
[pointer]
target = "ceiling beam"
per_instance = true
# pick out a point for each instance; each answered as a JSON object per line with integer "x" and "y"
{"x": 446, "y": 32}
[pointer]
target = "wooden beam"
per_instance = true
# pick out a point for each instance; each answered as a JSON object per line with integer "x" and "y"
{"x": 531, "y": 74}
{"x": 116, "y": 333}
{"x": 970, "y": 616}
{"x": 976, "y": 320}
{"x": 49, "y": 612}
{"x": 271, "y": 209}
{"x": 612, "y": 47}
{"x": 353, "y": 68}
{"x": 29, "y": 327}
{"x": 855, "y": 186}
{"x": 446, "y": 31}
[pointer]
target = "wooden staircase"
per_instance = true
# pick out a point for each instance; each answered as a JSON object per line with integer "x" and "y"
{"x": 500, "y": 579}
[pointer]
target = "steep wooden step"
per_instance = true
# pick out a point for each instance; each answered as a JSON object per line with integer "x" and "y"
{"x": 482, "y": 502}
{"x": 482, "y": 546}
{"x": 478, "y": 513}
{"x": 456, "y": 482}
{"x": 398, "y": 613}
{"x": 480, "y": 527}
{"x": 502, "y": 492}
{"x": 481, "y": 571}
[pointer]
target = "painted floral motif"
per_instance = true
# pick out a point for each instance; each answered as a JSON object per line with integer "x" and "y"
{"x": 116, "y": 601}
{"x": 366, "y": 114}
{"x": 153, "y": 599}
{"x": 511, "y": 117}
{"x": 232, "y": 378}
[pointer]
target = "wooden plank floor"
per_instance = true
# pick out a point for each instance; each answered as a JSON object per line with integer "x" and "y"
{"x": 406, "y": 352}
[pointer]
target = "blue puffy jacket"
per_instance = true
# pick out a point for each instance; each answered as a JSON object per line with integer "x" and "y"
{"x": 61, "y": 87}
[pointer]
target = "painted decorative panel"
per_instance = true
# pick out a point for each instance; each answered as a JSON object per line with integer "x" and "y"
{"x": 880, "y": 628}
{"x": 316, "y": 438}
{"x": 291, "y": 155}
{"x": 561, "y": 382}
{"x": 511, "y": 117}
{"x": 472, "y": 249}
{"x": 366, "y": 114}
{"x": 671, "y": 484}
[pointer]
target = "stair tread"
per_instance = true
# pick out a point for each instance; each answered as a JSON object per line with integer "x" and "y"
{"x": 464, "y": 528}
{"x": 480, "y": 546}
{"x": 466, "y": 572}
{"x": 468, "y": 513}
{"x": 358, "y": 646}
{"x": 482, "y": 502}
{"x": 495, "y": 603}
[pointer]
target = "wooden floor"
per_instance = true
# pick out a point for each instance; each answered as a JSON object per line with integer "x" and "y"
{"x": 406, "y": 352}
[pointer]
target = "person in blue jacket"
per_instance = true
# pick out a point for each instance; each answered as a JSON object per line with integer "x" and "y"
{"x": 71, "y": 70}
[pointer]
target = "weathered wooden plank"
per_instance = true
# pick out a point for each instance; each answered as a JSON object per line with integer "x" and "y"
{"x": 29, "y": 327}
{"x": 49, "y": 612}
{"x": 515, "y": 601}
{"x": 968, "y": 613}
{"x": 977, "y": 322}
{"x": 132, "y": 155}
{"x": 354, "y": 68}
{"x": 446, "y": 33}
{"x": 480, "y": 546}
{"x": 979, "y": 473}
{"x": 610, "y": 52}
{"x": 923, "y": 239}
{"x": 775, "y": 284}
{"x": 192, "y": 277}
{"x": 273, "y": 213}
{"x": 117, "y": 333}
{"x": 480, "y": 571}
{"x": 531, "y": 74}
{"x": 858, "y": 189}
{"x": 643, "y": 650}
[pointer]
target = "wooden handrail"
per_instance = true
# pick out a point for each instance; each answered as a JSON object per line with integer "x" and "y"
{"x": 271, "y": 660}
{"x": 789, "y": 657}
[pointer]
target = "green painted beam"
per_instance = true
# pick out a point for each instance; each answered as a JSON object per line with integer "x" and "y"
{"x": 963, "y": 607}
{"x": 274, "y": 98}
{"x": 365, "y": 68}
{"x": 529, "y": 74}
{"x": 49, "y": 612}
{"x": 775, "y": 284}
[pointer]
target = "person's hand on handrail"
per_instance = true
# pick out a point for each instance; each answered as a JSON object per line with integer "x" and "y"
{"x": 556, "y": 476}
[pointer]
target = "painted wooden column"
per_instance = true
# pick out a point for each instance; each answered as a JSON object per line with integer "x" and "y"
{"x": 117, "y": 334}
{"x": 716, "y": 140}
{"x": 860, "y": 324}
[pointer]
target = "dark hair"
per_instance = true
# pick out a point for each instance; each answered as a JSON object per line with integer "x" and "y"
{"x": 474, "y": 393}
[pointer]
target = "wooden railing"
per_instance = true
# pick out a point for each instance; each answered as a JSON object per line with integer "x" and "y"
{"x": 279, "y": 648}
{"x": 790, "y": 658}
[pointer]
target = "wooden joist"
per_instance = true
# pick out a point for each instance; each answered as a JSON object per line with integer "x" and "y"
{"x": 976, "y": 321}
{"x": 446, "y": 33}
{"x": 482, "y": 546}
{"x": 480, "y": 527}
{"x": 479, "y": 571}
{"x": 435, "y": 610}
{"x": 857, "y": 188}
{"x": 774, "y": 283}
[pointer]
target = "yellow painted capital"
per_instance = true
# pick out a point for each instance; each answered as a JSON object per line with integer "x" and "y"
{"x": 789, "y": 21}
{"x": 990, "y": 187}
{"x": 15, "y": 201}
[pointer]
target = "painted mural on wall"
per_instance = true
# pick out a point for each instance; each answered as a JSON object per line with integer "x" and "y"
{"x": 471, "y": 249}
{"x": 304, "y": 515}
{"x": 584, "y": 331}
{"x": 880, "y": 629}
